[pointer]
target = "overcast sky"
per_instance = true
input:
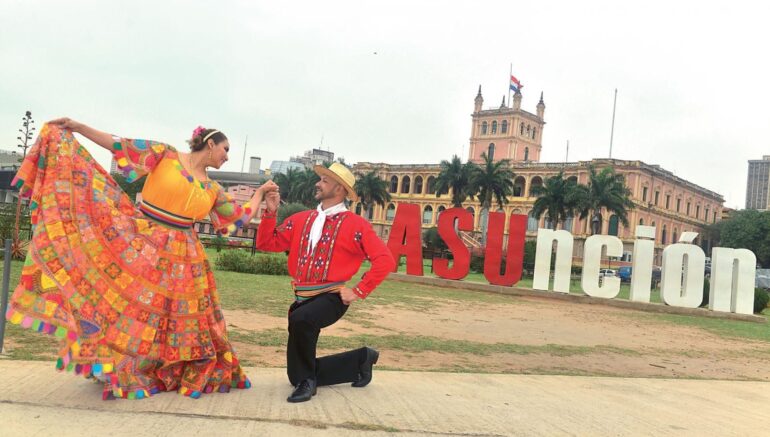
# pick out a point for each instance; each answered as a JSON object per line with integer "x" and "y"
{"x": 395, "y": 81}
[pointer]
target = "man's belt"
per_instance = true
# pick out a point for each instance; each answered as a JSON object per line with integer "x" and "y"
{"x": 304, "y": 292}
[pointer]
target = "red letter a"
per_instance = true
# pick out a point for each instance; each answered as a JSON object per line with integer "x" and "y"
{"x": 406, "y": 238}
{"x": 446, "y": 230}
{"x": 515, "y": 256}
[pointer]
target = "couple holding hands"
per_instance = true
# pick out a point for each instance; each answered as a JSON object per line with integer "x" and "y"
{"x": 128, "y": 288}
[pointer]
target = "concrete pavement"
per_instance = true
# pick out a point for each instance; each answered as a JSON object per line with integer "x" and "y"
{"x": 35, "y": 399}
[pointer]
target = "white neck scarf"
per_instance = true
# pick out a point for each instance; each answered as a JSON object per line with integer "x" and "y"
{"x": 318, "y": 224}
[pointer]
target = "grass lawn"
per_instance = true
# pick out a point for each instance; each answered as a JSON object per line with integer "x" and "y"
{"x": 574, "y": 286}
{"x": 271, "y": 295}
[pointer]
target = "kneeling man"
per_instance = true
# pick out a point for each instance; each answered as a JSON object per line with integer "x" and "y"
{"x": 326, "y": 248}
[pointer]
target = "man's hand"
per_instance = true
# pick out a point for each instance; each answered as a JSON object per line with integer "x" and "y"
{"x": 348, "y": 295}
{"x": 268, "y": 187}
{"x": 272, "y": 200}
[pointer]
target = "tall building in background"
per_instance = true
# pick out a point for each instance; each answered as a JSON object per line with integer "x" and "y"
{"x": 661, "y": 199}
{"x": 758, "y": 184}
{"x": 314, "y": 157}
{"x": 506, "y": 132}
{"x": 255, "y": 162}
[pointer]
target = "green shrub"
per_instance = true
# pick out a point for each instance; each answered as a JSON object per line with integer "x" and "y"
{"x": 288, "y": 209}
{"x": 432, "y": 240}
{"x": 530, "y": 249}
{"x": 706, "y": 288}
{"x": 477, "y": 264}
{"x": 761, "y": 299}
{"x": 261, "y": 263}
{"x": 218, "y": 242}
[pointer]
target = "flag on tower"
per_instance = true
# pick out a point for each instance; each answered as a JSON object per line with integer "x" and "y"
{"x": 515, "y": 84}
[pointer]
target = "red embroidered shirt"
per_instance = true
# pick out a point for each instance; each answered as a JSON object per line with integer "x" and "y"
{"x": 346, "y": 241}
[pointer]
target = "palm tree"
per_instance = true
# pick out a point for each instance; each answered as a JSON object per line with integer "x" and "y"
{"x": 606, "y": 190}
{"x": 558, "y": 199}
{"x": 491, "y": 180}
{"x": 287, "y": 182}
{"x": 457, "y": 176}
{"x": 305, "y": 190}
{"x": 371, "y": 190}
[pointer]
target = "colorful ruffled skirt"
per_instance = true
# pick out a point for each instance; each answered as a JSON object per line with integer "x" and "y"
{"x": 133, "y": 302}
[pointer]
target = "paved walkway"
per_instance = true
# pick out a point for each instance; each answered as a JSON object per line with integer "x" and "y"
{"x": 37, "y": 400}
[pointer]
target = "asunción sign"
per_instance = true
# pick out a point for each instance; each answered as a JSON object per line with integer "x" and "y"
{"x": 732, "y": 271}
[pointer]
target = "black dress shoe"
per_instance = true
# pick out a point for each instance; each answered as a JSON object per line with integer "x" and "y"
{"x": 304, "y": 391}
{"x": 365, "y": 372}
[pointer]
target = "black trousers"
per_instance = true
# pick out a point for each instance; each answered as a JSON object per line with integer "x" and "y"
{"x": 306, "y": 319}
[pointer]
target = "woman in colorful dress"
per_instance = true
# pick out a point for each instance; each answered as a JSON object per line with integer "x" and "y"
{"x": 128, "y": 287}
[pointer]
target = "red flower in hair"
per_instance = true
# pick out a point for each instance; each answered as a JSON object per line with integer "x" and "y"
{"x": 198, "y": 130}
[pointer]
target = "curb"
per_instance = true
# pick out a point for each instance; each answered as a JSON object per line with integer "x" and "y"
{"x": 576, "y": 298}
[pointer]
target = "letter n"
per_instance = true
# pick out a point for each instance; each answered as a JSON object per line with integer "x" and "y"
{"x": 562, "y": 271}
{"x": 732, "y": 287}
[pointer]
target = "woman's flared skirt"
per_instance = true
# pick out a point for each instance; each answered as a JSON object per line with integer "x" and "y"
{"x": 134, "y": 302}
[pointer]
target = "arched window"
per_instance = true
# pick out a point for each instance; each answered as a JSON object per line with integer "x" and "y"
{"x": 418, "y": 185}
{"x": 521, "y": 128}
{"x": 536, "y": 181}
{"x": 673, "y": 236}
{"x": 491, "y": 151}
{"x": 567, "y": 226}
{"x": 663, "y": 235}
{"x": 641, "y": 222}
{"x": 526, "y": 154}
{"x": 427, "y": 215}
{"x": 656, "y": 232}
{"x": 390, "y": 212}
{"x": 534, "y": 133}
{"x": 405, "y": 184}
{"x": 440, "y": 209}
{"x": 613, "y": 228}
{"x": 518, "y": 186}
{"x": 531, "y": 222}
{"x": 494, "y": 127}
{"x": 431, "y": 185}
{"x": 484, "y": 128}
{"x": 529, "y": 129}
{"x": 504, "y": 127}
{"x": 393, "y": 184}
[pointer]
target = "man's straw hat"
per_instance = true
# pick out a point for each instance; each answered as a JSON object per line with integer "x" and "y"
{"x": 342, "y": 175}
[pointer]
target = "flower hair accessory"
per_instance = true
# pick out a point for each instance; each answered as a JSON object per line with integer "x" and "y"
{"x": 198, "y": 131}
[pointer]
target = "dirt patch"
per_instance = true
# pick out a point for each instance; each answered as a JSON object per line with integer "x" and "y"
{"x": 534, "y": 336}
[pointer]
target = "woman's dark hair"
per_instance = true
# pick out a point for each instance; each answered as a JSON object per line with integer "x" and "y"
{"x": 196, "y": 142}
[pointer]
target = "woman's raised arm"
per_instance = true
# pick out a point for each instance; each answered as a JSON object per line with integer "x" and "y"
{"x": 101, "y": 138}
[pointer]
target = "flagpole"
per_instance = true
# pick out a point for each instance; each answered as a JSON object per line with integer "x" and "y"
{"x": 612, "y": 130}
{"x": 245, "y": 143}
{"x": 509, "y": 84}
